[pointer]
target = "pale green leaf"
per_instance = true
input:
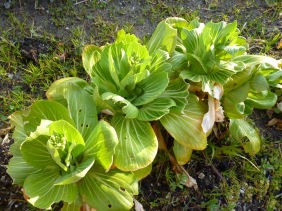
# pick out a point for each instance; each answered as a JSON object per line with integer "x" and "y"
{"x": 90, "y": 56}
{"x": 35, "y": 152}
{"x": 254, "y": 60}
{"x": 159, "y": 62}
{"x": 243, "y": 132}
{"x": 101, "y": 144}
{"x": 152, "y": 86}
{"x": 16, "y": 120}
{"x": 18, "y": 168}
{"x": 263, "y": 100}
{"x": 137, "y": 145}
{"x": 181, "y": 153}
{"x": 108, "y": 191}
{"x": 57, "y": 89}
{"x": 177, "y": 90}
{"x": 142, "y": 173}
{"x": 43, "y": 193}
{"x": 165, "y": 35}
{"x": 259, "y": 83}
{"x": 127, "y": 107}
{"x": 233, "y": 101}
{"x": 79, "y": 100}
{"x": 77, "y": 173}
{"x": 155, "y": 109}
{"x": 44, "y": 109}
{"x": 185, "y": 127}
{"x": 178, "y": 61}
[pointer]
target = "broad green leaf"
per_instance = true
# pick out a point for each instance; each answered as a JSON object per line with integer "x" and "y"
{"x": 77, "y": 173}
{"x": 264, "y": 100}
{"x": 44, "y": 109}
{"x": 57, "y": 89}
{"x": 101, "y": 144}
{"x": 43, "y": 193}
{"x": 90, "y": 56}
{"x": 142, "y": 173}
{"x": 259, "y": 83}
{"x": 178, "y": 61}
{"x": 254, "y": 60}
{"x": 152, "y": 86}
{"x": 243, "y": 132}
{"x": 165, "y": 35}
{"x": 16, "y": 120}
{"x": 159, "y": 62}
{"x": 80, "y": 103}
{"x": 181, "y": 153}
{"x": 104, "y": 68}
{"x": 82, "y": 109}
{"x": 218, "y": 74}
{"x": 35, "y": 152}
{"x": 238, "y": 80}
{"x": 155, "y": 109}
{"x": 127, "y": 107}
{"x": 185, "y": 127}
{"x": 18, "y": 168}
{"x": 274, "y": 77}
{"x": 137, "y": 145}
{"x": 233, "y": 101}
{"x": 177, "y": 90}
{"x": 108, "y": 191}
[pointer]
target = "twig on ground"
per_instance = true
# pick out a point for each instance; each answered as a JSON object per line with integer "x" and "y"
{"x": 80, "y": 2}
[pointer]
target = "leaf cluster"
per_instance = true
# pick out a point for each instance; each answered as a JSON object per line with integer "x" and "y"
{"x": 187, "y": 77}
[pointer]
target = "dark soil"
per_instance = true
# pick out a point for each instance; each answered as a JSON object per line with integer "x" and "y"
{"x": 11, "y": 197}
{"x": 158, "y": 191}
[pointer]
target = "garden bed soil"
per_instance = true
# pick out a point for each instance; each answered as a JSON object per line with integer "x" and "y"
{"x": 157, "y": 191}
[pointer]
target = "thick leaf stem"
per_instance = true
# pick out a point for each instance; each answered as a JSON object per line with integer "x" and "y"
{"x": 191, "y": 182}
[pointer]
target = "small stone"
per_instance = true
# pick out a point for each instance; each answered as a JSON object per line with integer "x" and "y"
{"x": 7, "y": 5}
{"x": 201, "y": 175}
{"x": 10, "y": 75}
{"x": 242, "y": 191}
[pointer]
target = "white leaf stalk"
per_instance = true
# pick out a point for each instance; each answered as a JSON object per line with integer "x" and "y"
{"x": 215, "y": 112}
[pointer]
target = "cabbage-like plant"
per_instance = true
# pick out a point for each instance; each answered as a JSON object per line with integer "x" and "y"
{"x": 135, "y": 87}
{"x": 212, "y": 58}
{"x": 63, "y": 153}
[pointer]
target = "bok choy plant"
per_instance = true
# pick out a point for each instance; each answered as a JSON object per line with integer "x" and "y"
{"x": 134, "y": 86}
{"x": 63, "y": 153}
{"x": 187, "y": 77}
{"x": 213, "y": 59}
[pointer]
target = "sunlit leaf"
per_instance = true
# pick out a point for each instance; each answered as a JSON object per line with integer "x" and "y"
{"x": 76, "y": 94}
{"x": 101, "y": 144}
{"x": 182, "y": 153}
{"x": 243, "y": 132}
{"x": 185, "y": 127}
{"x": 42, "y": 184}
{"x": 137, "y": 145}
{"x": 108, "y": 191}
